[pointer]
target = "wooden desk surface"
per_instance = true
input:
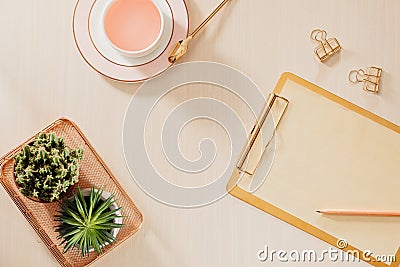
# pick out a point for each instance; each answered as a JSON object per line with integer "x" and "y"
{"x": 43, "y": 77}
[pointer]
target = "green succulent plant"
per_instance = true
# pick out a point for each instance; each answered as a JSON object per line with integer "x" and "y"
{"x": 46, "y": 168}
{"x": 85, "y": 222}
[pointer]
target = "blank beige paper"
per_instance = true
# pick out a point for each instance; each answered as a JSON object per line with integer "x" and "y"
{"x": 331, "y": 154}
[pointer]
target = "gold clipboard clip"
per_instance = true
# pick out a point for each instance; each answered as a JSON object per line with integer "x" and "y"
{"x": 326, "y": 47}
{"x": 247, "y": 162}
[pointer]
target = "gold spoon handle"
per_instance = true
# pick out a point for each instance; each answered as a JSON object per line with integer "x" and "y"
{"x": 216, "y": 10}
{"x": 181, "y": 47}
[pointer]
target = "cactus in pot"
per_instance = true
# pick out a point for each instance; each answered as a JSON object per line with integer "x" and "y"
{"x": 45, "y": 168}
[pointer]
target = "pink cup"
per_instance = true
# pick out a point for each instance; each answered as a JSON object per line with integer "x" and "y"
{"x": 133, "y": 27}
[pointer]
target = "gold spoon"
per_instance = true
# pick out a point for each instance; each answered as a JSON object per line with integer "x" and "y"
{"x": 181, "y": 47}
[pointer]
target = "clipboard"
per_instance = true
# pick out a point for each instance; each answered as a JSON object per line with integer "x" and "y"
{"x": 329, "y": 153}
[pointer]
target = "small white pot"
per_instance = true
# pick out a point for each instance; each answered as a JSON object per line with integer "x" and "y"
{"x": 104, "y": 196}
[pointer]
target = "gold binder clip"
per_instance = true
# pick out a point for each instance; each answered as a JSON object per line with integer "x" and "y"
{"x": 326, "y": 47}
{"x": 371, "y": 78}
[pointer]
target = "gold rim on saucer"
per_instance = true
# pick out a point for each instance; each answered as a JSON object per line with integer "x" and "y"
{"x": 117, "y": 79}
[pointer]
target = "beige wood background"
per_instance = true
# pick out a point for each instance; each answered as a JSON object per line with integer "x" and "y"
{"x": 43, "y": 77}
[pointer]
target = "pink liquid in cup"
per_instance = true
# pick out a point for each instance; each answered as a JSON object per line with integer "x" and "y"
{"x": 132, "y": 25}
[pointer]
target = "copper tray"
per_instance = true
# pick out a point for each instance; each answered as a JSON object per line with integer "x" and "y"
{"x": 93, "y": 171}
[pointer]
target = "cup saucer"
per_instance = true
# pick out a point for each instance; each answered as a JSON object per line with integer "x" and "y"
{"x": 88, "y": 34}
{"x": 104, "y": 47}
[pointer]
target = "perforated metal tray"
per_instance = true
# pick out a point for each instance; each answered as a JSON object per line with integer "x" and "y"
{"x": 93, "y": 171}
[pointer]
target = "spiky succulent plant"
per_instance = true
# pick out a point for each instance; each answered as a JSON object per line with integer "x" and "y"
{"x": 86, "y": 222}
{"x": 46, "y": 168}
